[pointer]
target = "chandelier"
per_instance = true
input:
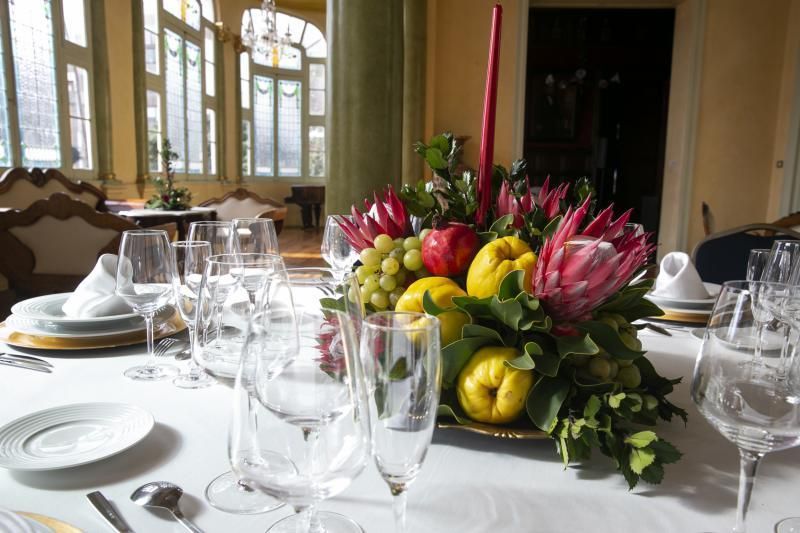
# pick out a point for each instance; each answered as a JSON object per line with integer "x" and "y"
{"x": 261, "y": 34}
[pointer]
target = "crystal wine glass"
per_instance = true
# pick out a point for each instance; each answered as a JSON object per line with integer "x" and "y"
{"x": 783, "y": 257}
{"x": 756, "y": 261}
{"x": 145, "y": 280}
{"x": 220, "y": 234}
{"x": 402, "y": 361}
{"x": 737, "y": 391}
{"x": 225, "y": 311}
{"x": 336, "y": 251}
{"x": 190, "y": 260}
{"x": 256, "y": 235}
{"x": 309, "y": 436}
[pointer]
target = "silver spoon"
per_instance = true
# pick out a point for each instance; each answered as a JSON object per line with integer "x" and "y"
{"x": 165, "y": 495}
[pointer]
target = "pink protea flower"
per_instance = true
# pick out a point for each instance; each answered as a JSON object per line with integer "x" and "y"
{"x": 578, "y": 271}
{"x": 549, "y": 201}
{"x": 387, "y": 216}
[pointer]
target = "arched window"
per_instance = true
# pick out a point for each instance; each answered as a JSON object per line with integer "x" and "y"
{"x": 46, "y": 100}
{"x": 180, "y": 60}
{"x": 283, "y": 102}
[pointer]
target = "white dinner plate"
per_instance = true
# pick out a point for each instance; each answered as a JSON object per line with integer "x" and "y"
{"x": 48, "y": 307}
{"x": 684, "y": 304}
{"x": 50, "y": 329}
{"x": 72, "y": 435}
{"x": 16, "y": 523}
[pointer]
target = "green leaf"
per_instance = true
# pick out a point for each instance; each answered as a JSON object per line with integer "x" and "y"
{"x": 592, "y": 407}
{"x": 641, "y": 458}
{"x": 429, "y": 306}
{"x": 512, "y": 285}
{"x": 440, "y": 142}
{"x": 609, "y": 339}
{"x": 474, "y": 307}
{"x": 449, "y": 407}
{"x": 641, "y": 439}
{"x": 456, "y": 354}
{"x": 614, "y": 400}
{"x": 545, "y": 400}
{"x": 653, "y": 474}
{"x": 508, "y": 312}
{"x": 399, "y": 371}
{"x": 551, "y": 227}
{"x": 475, "y": 330}
{"x": 547, "y": 363}
{"x": 523, "y": 362}
{"x": 574, "y": 345}
{"x": 502, "y": 224}
{"x": 435, "y": 158}
{"x": 665, "y": 451}
{"x": 334, "y": 304}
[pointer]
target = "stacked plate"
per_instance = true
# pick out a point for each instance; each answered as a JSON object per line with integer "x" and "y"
{"x": 687, "y": 310}
{"x": 41, "y": 323}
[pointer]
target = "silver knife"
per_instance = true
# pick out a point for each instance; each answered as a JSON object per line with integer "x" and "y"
{"x": 25, "y": 365}
{"x": 108, "y": 512}
{"x": 26, "y": 358}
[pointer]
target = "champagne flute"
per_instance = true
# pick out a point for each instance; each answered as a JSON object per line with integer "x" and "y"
{"x": 336, "y": 250}
{"x": 190, "y": 260}
{"x": 756, "y": 262}
{"x": 783, "y": 257}
{"x": 311, "y": 438}
{"x": 739, "y": 393}
{"x": 220, "y": 234}
{"x": 256, "y": 235}
{"x": 146, "y": 279}
{"x": 402, "y": 360}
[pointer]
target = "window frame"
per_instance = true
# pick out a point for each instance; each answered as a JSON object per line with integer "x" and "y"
{"x": 306, "y": 119}
{"x": 157, "y": 83}
{"x": 64, "y": 53}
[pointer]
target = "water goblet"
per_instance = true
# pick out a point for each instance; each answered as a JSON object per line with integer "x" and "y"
{"x": 336, "y": 250}
{"x": 401, "y": 354}
{"x": 220, "y": 234}
{"x": 740, "y": 394}
{"x": 300, "y": 428}
{"x": 190, "y": 260}
{"x": 256, "y": 235}
{"x": 145, "y": 279}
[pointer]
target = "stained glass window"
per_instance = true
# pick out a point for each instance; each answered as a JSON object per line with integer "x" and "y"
{"x": 263, "y": 106}
{"x": 181, "y": 100}
{"x": 288, "y": 128}
{"x": 35, "y": 75}
{"x": 246, "y": 158}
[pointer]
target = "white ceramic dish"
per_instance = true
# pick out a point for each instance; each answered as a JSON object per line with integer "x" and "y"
{"x": 685, "y": 305}
{"x": 48, "y": 307}
{"x": 72, "y": 435}
{"x": 16, "y": 523}
{"x": 56, "y": 330}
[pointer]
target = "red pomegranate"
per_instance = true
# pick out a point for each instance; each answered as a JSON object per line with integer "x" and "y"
{"x": 449, "y": 248}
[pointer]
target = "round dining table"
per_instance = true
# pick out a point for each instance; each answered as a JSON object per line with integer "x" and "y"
{"x": 468, "y": 483}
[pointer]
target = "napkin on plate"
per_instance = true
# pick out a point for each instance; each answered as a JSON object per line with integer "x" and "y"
{"x": 95, "y": 295}
{"x": 678, "y": 279}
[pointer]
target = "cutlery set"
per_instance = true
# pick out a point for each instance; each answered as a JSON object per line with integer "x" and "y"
{"x": 25, "y": 361}
{"x": 157, "y": 494}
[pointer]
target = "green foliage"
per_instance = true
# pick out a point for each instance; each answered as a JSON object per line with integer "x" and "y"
{"x": 168, "y": 197}
{"x": 579, "y": 411}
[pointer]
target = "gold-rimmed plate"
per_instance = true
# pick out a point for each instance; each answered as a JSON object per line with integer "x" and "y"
{"x": 170, "y": 326}
{"x": 57, "y": 526}
{"x": 500, "y": 432}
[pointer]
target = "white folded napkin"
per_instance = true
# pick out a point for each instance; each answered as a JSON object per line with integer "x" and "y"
{"x": 678, "y": 278}
{"x": 95, "y": 295}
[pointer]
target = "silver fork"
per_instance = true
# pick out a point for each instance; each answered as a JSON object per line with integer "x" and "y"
{"x": 163, "y": 347}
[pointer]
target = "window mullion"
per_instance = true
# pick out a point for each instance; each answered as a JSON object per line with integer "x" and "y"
{"x": 11, "y": 87}
{"x": 62, "y": 101}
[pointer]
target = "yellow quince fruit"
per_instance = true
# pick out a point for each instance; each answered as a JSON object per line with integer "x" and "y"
{"x": 488, "y": 391}
{"x": 442, "y": 291}
{"x": 497, "y": 259}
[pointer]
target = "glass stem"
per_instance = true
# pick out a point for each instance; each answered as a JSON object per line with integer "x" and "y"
{"x": 399, "y": 504}
{"x": 757, "y": 358}
{"x": 308, "y": 522}
{"x": 148, "y": 325}
{"x": 785, "y": 352}
{"x": 748, "y": 464}
{"x": 194, "y": 368}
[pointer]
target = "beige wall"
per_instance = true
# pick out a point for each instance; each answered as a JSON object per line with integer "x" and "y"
{"x": 119, "y": 32}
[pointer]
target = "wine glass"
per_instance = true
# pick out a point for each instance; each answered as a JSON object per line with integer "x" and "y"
{"x": 782, "y": 259}
{"x": 225, "y": 311}
{"x": 145, "y": 280}
{"x": 220, "y": 234}
{"x": 402, "y": 361}
{"x": 737, "y": 391}
{"x": 256, "y": 235}
{"x": 756, "y": 261}
{"x": 336, "y": 250}
{"x": 309, "y": 436}
{"x": 190, "y": 260}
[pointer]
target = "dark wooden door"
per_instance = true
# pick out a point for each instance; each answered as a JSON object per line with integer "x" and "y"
{"x": 596, "y": 102}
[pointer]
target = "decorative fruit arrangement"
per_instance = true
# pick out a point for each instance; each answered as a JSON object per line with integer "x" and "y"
{"x": 387, "y": 268}
{"x": 449, "y": 248}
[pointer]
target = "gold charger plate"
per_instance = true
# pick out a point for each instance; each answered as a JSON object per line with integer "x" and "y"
{"x": 677, "y": 316}
{"x": 500, "y": 432}
{"x": 56, "y": 525}
{"x": 170, "y": 326}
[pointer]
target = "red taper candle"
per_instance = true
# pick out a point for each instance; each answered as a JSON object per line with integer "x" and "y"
{"x": 489, "y": 113}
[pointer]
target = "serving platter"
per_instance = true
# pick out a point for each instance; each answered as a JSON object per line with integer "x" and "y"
{"x": 500, "y": 432}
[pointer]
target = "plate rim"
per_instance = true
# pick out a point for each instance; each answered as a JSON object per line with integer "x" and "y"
{"x": 150, "y": 424}
{"x": 16, "y": 308}
{"x": 703, "y": 301}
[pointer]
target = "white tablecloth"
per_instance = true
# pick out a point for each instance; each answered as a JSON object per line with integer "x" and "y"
{"x": 469, "y": 483}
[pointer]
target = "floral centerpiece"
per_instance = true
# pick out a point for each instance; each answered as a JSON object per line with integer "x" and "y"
{"x": 167, "y": 196}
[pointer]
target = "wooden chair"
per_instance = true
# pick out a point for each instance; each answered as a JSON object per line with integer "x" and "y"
{"x": 242, "y": 203}
{"x": 722, "y": 256}
{"x": 20, "y": 187}
{"x": 791, "y": 222}
{"x": 53, "y": 244}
